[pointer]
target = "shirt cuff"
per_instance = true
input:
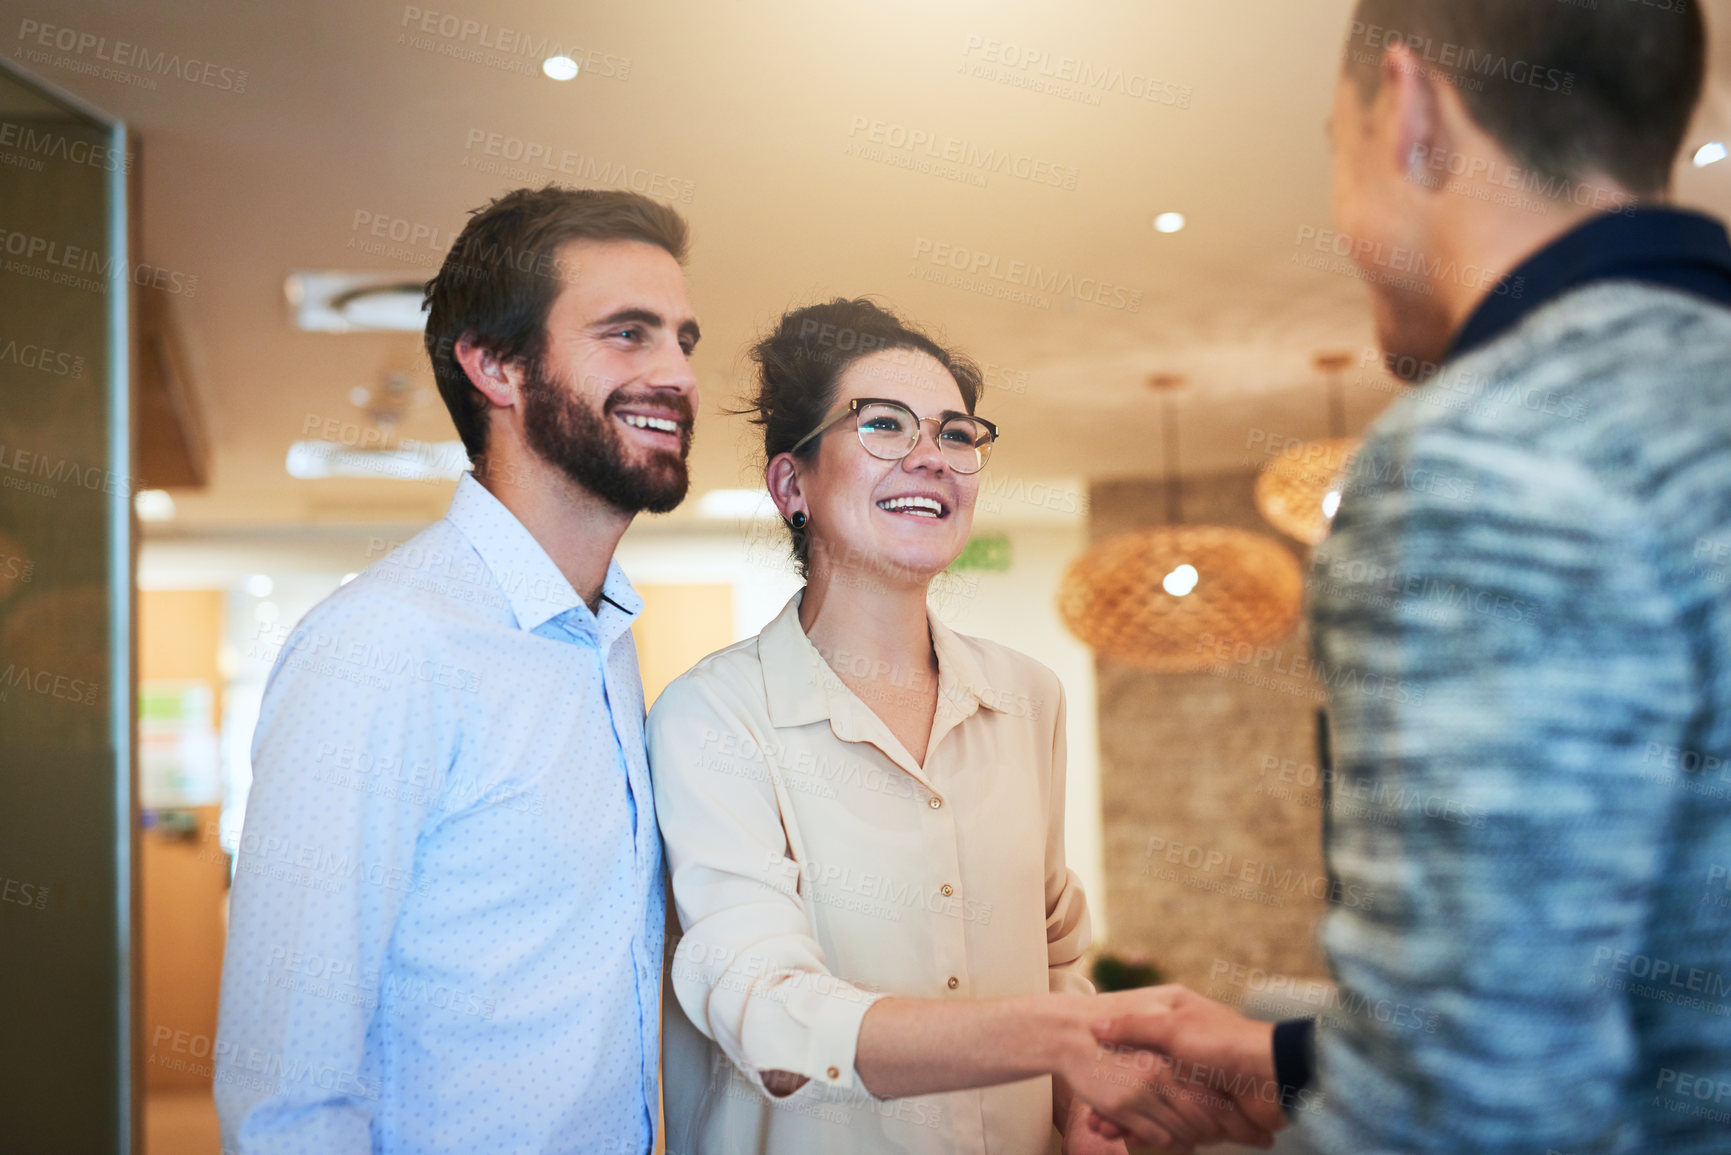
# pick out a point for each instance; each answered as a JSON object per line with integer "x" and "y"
{"x": 834, "y": 1037}
{"x": 1294, "y": 1058}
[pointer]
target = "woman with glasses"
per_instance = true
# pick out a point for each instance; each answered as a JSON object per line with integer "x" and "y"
{"x": 864, "y": 810}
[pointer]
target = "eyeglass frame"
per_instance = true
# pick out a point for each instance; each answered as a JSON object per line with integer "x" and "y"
{"x": 858, "y": 403}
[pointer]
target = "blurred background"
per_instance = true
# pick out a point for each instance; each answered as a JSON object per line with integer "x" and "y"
{"x": 215, "y": 408}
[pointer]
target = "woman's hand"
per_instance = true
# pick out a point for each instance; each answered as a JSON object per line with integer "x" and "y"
{"x": 1080, "y": 1139}
{"x": 1160, "y": 1100}
{"x": 1133, "y": 1089}
{"x": 1216, "y": 1049}
{"x": 910, "y": 1046}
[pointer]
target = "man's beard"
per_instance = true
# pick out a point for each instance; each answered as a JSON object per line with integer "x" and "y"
{"x": 590, "y": 449}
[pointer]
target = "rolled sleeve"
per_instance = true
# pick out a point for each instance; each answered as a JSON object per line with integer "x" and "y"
{"x": 747, "y": 972}
{"x": 828, "y": 1012}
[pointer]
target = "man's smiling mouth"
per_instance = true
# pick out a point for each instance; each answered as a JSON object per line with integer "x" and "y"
{"x": 658, "y": 424}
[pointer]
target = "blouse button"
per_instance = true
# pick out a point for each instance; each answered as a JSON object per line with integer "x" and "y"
{"x": 948, "y": 890}
{"x": 937, "y": 802}
{"x": 954, "y": 982}
{"x": 834, "y": 1073}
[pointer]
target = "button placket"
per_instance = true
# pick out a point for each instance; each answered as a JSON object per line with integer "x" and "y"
{"x": 953, "y": 955}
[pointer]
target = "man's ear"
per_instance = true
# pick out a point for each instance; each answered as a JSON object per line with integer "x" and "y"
{"x": 782, "y": 478}
{"x": 1409, "y": 94}
{"x": 500, "y": 382}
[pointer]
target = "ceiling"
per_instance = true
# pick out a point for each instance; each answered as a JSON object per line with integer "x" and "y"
{"x": 749, "y": 114}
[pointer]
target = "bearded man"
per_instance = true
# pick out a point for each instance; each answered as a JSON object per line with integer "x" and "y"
{"x": 447, "y": 917}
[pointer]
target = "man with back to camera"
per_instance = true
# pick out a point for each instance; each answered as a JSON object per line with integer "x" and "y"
{"x": 447, "y": 917}
{"x": 1524, "y": 608}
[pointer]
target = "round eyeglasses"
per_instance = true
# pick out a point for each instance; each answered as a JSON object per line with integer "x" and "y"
{"x": 889, "y": 431}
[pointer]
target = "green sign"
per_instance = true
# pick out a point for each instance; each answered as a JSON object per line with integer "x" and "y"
{"x": 990, "y": 552}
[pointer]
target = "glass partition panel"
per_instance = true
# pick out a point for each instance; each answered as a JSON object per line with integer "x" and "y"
{"x": 66, "y": 681}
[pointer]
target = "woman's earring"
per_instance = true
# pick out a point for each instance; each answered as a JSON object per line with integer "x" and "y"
{"x": 798, "y": 519}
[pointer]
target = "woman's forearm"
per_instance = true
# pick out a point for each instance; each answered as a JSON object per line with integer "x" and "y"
{"x": 927, "y": 1046}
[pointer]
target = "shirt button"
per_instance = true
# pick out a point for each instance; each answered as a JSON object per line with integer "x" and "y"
{"x": 954, "y": 982}
{"x": 834, "y": 1073}
{"x": 948, "y": 890}
{"x": 937, "y": 802}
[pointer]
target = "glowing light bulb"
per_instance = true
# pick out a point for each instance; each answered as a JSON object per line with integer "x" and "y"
{"x": 559, "y": 67}
{"x": 154, "y": 505}
{"x": 1181, "y": 581}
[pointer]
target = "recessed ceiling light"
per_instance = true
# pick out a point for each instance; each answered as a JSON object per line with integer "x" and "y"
{"x": 259, "y": 585}
{"x": 559, "y": 67}
{"x": 332, "y": 302}
{"x": 154, "y": 505}
{"x": 1169, "y": 222}
{"x": 1710, "y": 153}
{"x": 398, "y": 307}
{"x": 416, "y": 461}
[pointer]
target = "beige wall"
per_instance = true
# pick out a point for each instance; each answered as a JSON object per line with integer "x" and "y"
{"x": 680, "y": 625}
{"x": 1193, "y": 767}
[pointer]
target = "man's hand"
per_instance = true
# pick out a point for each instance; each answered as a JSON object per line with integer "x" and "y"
{"x": 1081, "y": 1139}
{"x": 1215, "y": 1052}
{"x": 1134, "y": 1091}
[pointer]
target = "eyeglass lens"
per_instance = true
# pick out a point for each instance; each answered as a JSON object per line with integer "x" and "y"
{"x": 890, "y": 432}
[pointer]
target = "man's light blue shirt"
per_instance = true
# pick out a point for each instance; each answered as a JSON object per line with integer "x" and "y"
{"x": 447, "y": 918}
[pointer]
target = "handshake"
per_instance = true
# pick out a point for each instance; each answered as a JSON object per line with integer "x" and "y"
{"x": 1167, "y": 1067}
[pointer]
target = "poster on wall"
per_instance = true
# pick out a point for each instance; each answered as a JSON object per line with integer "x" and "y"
{"x": 178, "y": 762}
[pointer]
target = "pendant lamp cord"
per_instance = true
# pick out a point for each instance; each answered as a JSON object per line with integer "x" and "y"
{"x": 1174, "y": 484}
{"x": 1336, "y": 405}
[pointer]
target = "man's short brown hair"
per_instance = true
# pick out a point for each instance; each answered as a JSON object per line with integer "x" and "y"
{"x": 503, "y": 273}
{"x": 1569, "y": 89}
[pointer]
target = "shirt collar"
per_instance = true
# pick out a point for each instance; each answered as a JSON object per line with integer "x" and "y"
{"x": 1670, "y": 248}
{"x": 533, "y": 586}
{"x": 801, "y": 688}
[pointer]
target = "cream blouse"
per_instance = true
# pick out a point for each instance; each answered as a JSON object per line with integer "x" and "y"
{"x": 817, "y": 867}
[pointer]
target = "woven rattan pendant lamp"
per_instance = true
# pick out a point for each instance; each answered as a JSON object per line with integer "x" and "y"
{"x": 1298, "y": 490}
{"x": 1180, "y": 598}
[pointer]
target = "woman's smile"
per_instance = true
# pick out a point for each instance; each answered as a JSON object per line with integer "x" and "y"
{"x": 921, "y": 505}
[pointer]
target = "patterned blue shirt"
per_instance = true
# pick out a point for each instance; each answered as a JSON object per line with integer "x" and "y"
{"x": 447, "y": 917}
{"x": 1523, "y": 614}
